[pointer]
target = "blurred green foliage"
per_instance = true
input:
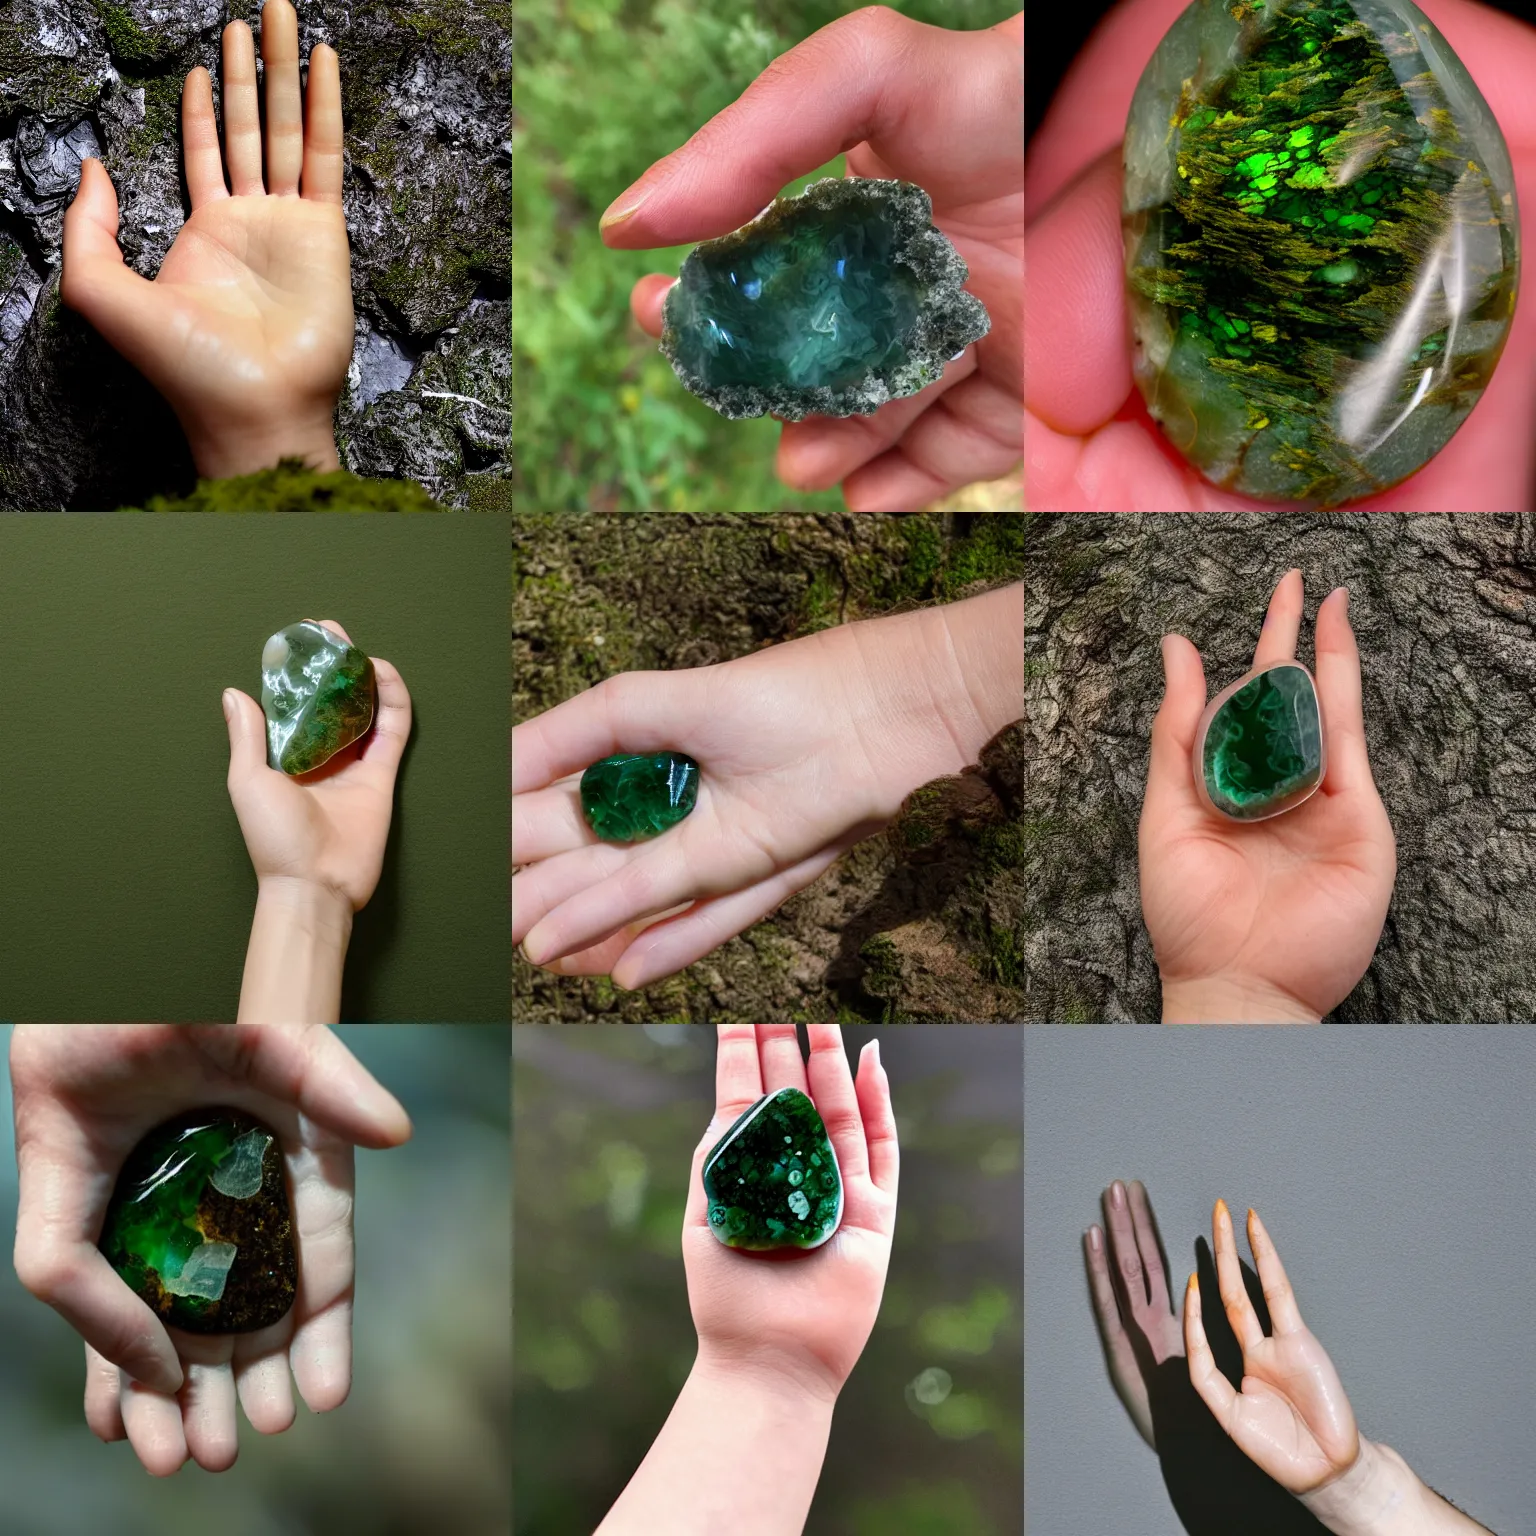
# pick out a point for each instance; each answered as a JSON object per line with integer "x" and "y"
{"x": 602, "y": 90}
{"x": 605, "y": 1122}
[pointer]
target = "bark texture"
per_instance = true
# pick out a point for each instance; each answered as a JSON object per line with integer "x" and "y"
{"x": 1444, "y": 608}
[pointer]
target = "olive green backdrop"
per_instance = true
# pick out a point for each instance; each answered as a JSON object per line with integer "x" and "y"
{"x": 125, "y": 889}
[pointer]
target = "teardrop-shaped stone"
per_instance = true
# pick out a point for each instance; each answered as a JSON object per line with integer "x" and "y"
{"x": 1321, "y": 243}
{"x": 1262, "y": 751}
{"x": 772, "y": 1180}
{"x": 199, "y": 1223}
{"x": 317, "y": 692}
{"x": 635, "y": 795}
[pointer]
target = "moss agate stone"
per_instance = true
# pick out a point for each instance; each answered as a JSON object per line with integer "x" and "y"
{"x": 772, "y": 1180}
{"x": 317, "y": 692}
{"x": 199, "y": 1223}
{"x": 830, "y": 303}
{"x": 635, "y": 795}
{"x": 1259, "y": 749}
{"x": 1321, "y": 241}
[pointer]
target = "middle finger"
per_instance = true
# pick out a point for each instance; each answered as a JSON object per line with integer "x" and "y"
{"x": 285, "y": 109}
{"x": 242, "y": 116}
{"x": 1282, "y": 623}
{"x": 778, "y": 1049}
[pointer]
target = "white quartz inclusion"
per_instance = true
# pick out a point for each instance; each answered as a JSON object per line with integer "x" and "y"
{"x": 799, "y": 1204}
{"x": 204, "y": 1273}
{"x": 274, "y": 653}
{"x": 238, "y": 1173}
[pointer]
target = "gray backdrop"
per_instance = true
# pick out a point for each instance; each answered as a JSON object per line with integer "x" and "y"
{"x": 1391, "y": 1164}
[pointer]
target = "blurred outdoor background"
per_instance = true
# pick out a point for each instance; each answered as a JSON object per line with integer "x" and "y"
{"x": 927, "y": 1437}
{"x": 421, "y": 1448}
{"x": 602, "y": 89}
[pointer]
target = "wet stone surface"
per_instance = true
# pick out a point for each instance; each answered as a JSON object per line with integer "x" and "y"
{"x": 635, "y": 795}
{"x": 318, "y": 695}
{"x": 200, "y": 1226}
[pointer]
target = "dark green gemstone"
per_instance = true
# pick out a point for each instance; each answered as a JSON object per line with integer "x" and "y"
{"x": 1263, "y": 748}
{"x": 831, "y": 302}
{"x": 1322, "y": 243}
{"x": 317, "y": 692}
{"x": 199, "y": 1223}
{"x": 772, "y": 1180}
{"x": 635, "y": 795}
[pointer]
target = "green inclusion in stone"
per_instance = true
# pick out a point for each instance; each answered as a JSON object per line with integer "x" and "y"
{"x": 199, "y": 1224}
{"x": 317, "y": 692}
{"x": 1322, "y": 244}
{"x": 831, "y": 302}
{"x": 1263, "y": 747}
{"x": 772, "y": 1180}
{"x": 634, "y": 795}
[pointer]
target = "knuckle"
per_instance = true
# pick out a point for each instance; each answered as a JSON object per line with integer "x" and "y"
{"x": 43, "y": 1273}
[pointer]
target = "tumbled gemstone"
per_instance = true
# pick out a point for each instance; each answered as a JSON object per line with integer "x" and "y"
{"x": 634, "y": 795}
{"x": 832, "y": 303}
{"x": 772, "y": 1180}
{"x": 317, "y": 692}
{"x": 1260, "y": 749}
{"x": 1321, "y": 243}
{"x": 199, "y": 1223}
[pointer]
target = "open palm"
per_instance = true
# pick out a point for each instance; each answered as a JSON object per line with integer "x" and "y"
{"x": 804, "y": 749}
{"x": 328, "y": 827}
{"x": 247, "y": 329}
{"x": 802, "y": 1312}
{"x": 1292, "y": 1417}
{"x": 1288, "y": 909}
{"x": 84, "y": 1095}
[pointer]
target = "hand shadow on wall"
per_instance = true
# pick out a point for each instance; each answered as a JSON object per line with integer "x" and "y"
{"x": 1216, "y": 1490}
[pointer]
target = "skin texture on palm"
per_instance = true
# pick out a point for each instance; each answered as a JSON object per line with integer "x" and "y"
{"x": 918, "y": 103}
{"x": 778, "y": 1333}
{"x": 1089, "y": 443}
{"x": 317, "y": 846}
{"x": 805, "y": 748}
{"x": 83, "y": 1096}
{"x": 1277, "y": 920}
{"x": 247, "y": 328}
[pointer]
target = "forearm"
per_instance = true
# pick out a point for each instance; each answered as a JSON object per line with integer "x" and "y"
{"x": 1381, "y": 1496}
{"x": 294, "y": 961}
{"x": 1219, "y": 1000}
{"x": 740, "y": 1452}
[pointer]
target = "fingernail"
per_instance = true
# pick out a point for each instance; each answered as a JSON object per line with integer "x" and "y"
{"x": 874, "y": 1049}
{"x": 1163, "y": 647}
{"x": 534, "y": 955}
{"x": 623, "y": 207}
{"x": 1117, "y": 1195}
{"x": 1095, "y": 1241}
{"x": 229, "y": 703}
{"x": 1345, "y": 591}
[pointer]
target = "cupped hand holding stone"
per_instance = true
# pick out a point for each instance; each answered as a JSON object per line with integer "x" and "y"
{"x": 247, "y": 328}
{"x": 84, "y": 1095}
{"x": 1090, "y": 443}
{"x": 1273, "y": 921}
{"x": 906, "y": 101}
{"x": 803, "y": 749}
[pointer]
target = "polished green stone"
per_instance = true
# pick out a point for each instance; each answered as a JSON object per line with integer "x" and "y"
{"x": 1321, "y": 240}
{"x": 831, "y": 303}
{"x": 199, "y": 1223}
{"x": 1263, "y": 749}
{"x": 635, "y": 795}
{"x": 772, "y": 1180}
{"x": 318, "y": 694}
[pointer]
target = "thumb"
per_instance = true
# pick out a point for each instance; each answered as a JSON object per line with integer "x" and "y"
{"x": 96, "y": 282}
{"x": 247, "y": 736}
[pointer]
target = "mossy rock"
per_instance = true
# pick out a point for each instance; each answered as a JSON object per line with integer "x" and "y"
{"x": 290, "y": 487}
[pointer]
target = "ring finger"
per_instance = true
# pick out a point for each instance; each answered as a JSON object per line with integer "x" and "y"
{"x": 549, "y": 821}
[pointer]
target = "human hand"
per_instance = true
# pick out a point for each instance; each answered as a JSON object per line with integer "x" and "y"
{"x": 1138, "y": 1325}
{"x": 1271, "y": 921}
{"x": 1091, "y": 445}
{"x": 325, "y": 830}
{"x": 805, "y": 748}
{"x": 906, "y": 101}
{"x": 247, "y": 328}
{"x": 1292, "y": 1418}
{"x": 799, "y": 1317}
{"x": 84, "y": 1095}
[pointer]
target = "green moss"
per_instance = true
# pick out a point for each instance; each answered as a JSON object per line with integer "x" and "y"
{"x": 290, "y": 487}
{"x": 822, "y": 605}
{"x": 1005, "y": 846}
{"x": 162, "y": 112}
{"x": 990, "y": 551}
{"x": 1004, "y": 961}
{"x": 454, "y": 28}
{"x": 10, "y": 261}
{"x": 126, "y": 39}
{"x": 487, "y": 493}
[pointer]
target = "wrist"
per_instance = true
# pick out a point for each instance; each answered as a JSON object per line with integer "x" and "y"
{"x": 1224, "y": 999}
{"x": 297, "y": 951}
{"x": 225, "y": 452}
{"x": 985, "y": 659}
{"x": 320, "y": 911}
{"x": 778, "y": 1383}
{"x": 1376, "y": 1496}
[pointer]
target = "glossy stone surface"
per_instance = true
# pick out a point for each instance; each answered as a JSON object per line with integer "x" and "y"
{"x": 631, "y": 796}
{"x": 1321, "y": 243}
{"x": 772, "y": 1180}
{"x": 831, "y": 303}
{"x": 199, "y": 1223}
{"x": 1263, "y": 747}
{"x": 317, "y": 692}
